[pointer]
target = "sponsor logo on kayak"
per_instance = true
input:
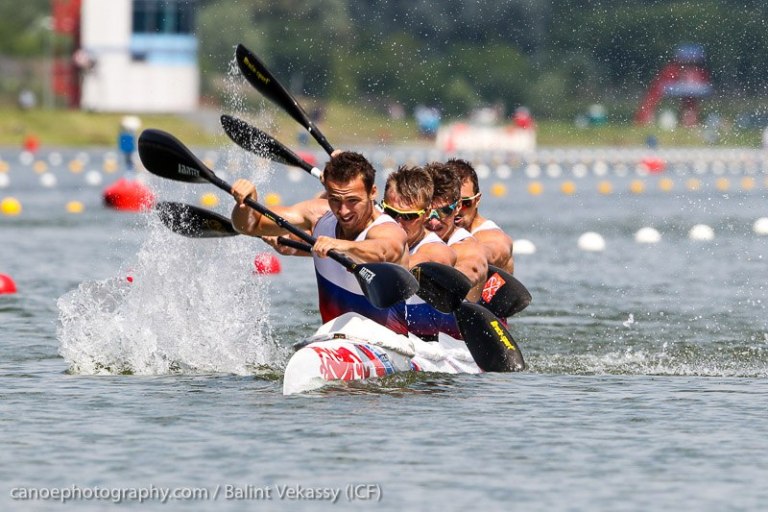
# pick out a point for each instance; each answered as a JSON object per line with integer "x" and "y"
{"x": 492, "y": 286}
{"x": 502, "y": 336}
{"x": 188, "y": 171}
{"x": 262, "y": 78}
{"x": 367, "y": 274}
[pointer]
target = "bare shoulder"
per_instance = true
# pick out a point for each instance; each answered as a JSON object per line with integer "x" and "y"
{"x": 387, "y": 230}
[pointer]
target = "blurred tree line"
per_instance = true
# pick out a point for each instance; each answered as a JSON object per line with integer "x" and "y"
{"x": 556, "y": 57}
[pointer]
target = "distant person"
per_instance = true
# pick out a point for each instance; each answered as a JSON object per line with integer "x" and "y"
{"x": 496, "y": 244}
{"x": 126, "y": 140}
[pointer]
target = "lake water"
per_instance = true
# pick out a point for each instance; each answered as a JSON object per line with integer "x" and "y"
{"x": 646, "y": 389}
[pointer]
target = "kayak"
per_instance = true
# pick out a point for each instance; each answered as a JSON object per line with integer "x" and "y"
{"x": 355, "y": 348}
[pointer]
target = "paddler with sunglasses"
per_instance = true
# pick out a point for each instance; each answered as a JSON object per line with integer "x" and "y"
{"x": 345, "y": 220}
{"x": 494, "y": 241}
{"x": 446, "y": 205}
{"x": 407, "y": 198}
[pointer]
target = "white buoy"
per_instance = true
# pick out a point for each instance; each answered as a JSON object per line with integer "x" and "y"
{"x": 48, "y": 180}
{"x": 701, "y": 232}
{"x": 55, "y": 159}
{"x": 26, "y": 158}
{"x": 554, "y": 170}
{"x": 647, "y": 235}
{"x": 592, "y": 242}
{"x": 523, "y": 246}
{"x": 579, "y": 170}
{"x": 483, "y": 171}
{"x": 4, "y": 180}
{"x": 295, "y": 175}
{"x": 760, "y": 226}
{"x": 533, "y": 171}
{"x": 503, "y": 172}
{"x": 93, "y": 178}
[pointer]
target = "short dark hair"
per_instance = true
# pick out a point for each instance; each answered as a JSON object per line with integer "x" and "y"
{"x": 446, "y": 182}
{"x": 464, "y": 171}
{"x": 347, "y": 166}
{"x": 413, "y": 184}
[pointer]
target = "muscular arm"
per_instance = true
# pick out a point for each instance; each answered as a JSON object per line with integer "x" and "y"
{"x": 497, "y": 247}
{"x": 248, "y": 221}
{"x": 435, "y": 252}
{"x": 383, "y": 243}
{"x": 472, "y": 263}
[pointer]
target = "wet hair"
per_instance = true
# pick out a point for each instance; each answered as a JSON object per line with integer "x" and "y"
{"x": 464, "y": 171}
{"x": 447, "y": 185}
{"x": 412, "y": 184}
{"x": 347, "y": 166}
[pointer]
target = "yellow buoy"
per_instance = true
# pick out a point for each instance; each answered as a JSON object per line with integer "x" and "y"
{"x": 535, "y": 188}
{"x": 666, "y": 184}
{"x": 568, "y": 188}
{"x": 637, "y": 187}
{"x": 10, "y": 206}
{"x": 693, "y": 184}
{"x": 747, "y": 183}
{"x": 498, "y": 190}
{"x": 76, "y": 166}
{"x": 605, "y": 187}
{"x": 75, "y": 207}
{"x": 209, "y": 199}
{"x": 3, "y": 166}
{"x": 272, "y": 199}
{"x": 723, "y": 184}
{"x": 40, "y": 167}
{"x": 110, "y": 165}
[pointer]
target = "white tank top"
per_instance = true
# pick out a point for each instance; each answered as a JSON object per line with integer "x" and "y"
{"x": 488, "y": 224}
{"x": 458, "y": 235}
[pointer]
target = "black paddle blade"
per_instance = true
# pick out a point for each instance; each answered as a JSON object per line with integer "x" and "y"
{"x": 257, "y": 74}
{"x": 489, "y": 342}
{"x": 385, "y": 284}
{"x": 503, "y": 294}
{"x": 259, "y": 143}
{"x": 441, "y": 286}
{"x": 193, "y": 222}
{"x": 164, "y": 155}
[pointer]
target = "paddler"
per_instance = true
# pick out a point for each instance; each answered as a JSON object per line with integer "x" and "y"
{"x": 345, "y": 220}
{"x": 496, "y": 244}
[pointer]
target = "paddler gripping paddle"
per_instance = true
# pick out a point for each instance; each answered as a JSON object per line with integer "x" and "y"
{"x": 384, "y": 284}
{"x": 504, "y": 295}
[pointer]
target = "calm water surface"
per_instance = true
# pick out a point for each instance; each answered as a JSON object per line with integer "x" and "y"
{"x": 646, "y": 387}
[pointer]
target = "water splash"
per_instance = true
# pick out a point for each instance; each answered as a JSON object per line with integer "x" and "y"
{"x": 191, "y": 306}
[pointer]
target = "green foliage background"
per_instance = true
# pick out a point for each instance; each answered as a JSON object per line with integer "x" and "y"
{"x": 556, "y": 57}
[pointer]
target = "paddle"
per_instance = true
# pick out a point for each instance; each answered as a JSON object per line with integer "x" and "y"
{"x": 503, "y": 294}
{"x": 490, "y": 343}
{"x": 384, "y": 284}
{"x": 262, "y": 80}
{"x": 259, "y": 143}
{"x": 194, "y": 222}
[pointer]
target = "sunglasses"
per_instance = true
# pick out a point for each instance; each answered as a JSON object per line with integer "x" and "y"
{"x": 400, "y": 214}
{"x": 443, "y": 211}
{"x": 466, "y": 202}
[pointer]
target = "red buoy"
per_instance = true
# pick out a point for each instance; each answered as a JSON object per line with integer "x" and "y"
{"x": 6, "y": 284}
{"x": 128, "y": 195}
{"x": 654, "y": 164}
{"x": 267, "y": 263}
{"x": 308, "y": 157}
{"x": 31, "y": 143}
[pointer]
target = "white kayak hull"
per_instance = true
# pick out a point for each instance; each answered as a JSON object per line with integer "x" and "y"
{"x": 354, "y": 348}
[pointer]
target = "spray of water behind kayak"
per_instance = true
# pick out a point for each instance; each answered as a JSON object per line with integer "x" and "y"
{"x": 180, "y": 305}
